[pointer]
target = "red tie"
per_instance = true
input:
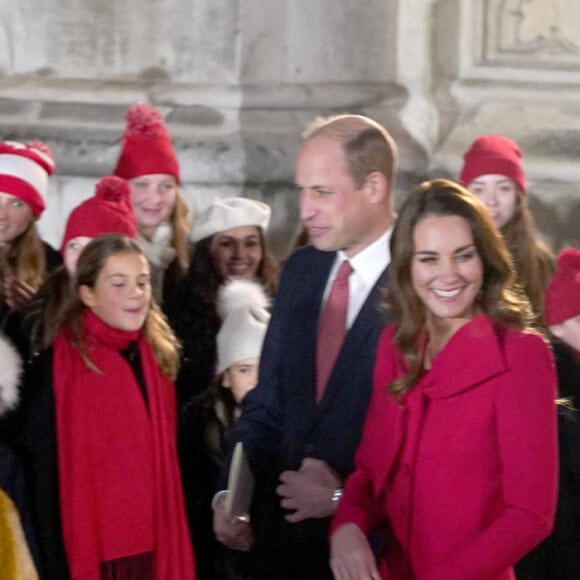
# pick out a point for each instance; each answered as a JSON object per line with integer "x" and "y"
{"x": 332, "y": 328}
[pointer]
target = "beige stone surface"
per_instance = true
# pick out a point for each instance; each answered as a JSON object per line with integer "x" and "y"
{"x": 237, "y": 82}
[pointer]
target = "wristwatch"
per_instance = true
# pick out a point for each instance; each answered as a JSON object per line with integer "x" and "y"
{"x": 336, "y": 495}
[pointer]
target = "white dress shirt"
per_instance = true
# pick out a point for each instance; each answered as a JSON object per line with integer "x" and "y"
{"x": 367, "y": 266}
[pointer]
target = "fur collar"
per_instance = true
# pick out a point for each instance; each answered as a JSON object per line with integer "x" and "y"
{"x": 159, "y": 250}
{"x": 10, "y": 374}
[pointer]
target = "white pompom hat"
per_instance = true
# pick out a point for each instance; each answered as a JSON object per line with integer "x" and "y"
{"x": 232, "y": 212}
{"x": 243, "y": 306}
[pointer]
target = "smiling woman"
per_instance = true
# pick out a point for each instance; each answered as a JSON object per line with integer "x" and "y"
{"x": 460, "y": 491}
{"x": 446, "y": 272}
{"x": 229, "y": 242}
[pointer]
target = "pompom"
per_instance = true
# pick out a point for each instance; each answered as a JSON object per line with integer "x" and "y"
{"x": 111, "y": 188}
{"x": 569, "y": 262}
{"x": 36, "y": 151}
{"x": 239, "y": 293}
{"x": 143, "y": 119}
{"x": 41, "y": 147}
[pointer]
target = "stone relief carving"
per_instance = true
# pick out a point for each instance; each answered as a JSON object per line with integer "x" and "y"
{"x": 532, "y": 32}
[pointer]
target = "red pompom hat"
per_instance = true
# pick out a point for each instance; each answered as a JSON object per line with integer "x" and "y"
{"x": 146, "y": 145}
{"x": 107, "y": 212}
{"x": 493, "y": 154}
{"x": 24, "y": 172}
{"x": 562, "y": 299}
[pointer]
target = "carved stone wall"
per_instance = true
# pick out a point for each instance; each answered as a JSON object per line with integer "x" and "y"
{"x": 516, "y": 72}
{"x": 237, "y": 81}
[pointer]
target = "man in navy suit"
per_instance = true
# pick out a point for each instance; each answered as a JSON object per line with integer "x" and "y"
{"x": 301, "y": 442}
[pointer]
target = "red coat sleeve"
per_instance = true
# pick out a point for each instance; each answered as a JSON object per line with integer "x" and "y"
{"x": 359, "y": 503}
{"x": 526, "y": 431}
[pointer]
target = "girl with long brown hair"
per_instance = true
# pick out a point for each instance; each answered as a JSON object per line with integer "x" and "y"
{"x": 98, "y": 429}
{"x": 493, "y": 171}
{"x": 25, "y": 259}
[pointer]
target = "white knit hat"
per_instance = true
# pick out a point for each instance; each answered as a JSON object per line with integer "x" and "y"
{"x": 243, "y": 306}
{"x": 228, "y": 213}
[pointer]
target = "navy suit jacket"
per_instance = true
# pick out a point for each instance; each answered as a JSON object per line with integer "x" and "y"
{"x": 282, "y": 423}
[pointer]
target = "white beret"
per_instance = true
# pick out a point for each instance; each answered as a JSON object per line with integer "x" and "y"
{"x": 232, "y": 212}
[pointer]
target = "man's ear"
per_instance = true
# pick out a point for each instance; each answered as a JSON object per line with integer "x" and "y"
{"x": 87, "y": 296}
{"x": 377, "y": 187}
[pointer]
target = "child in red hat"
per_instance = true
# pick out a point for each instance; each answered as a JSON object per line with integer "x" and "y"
{"x": 493, "y": 171}
{"x": 563, "y": 299}
{"x": 148, "y": 162}
{"x": 108, "y": 211}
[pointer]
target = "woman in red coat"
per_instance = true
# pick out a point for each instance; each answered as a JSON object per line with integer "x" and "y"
{"x": 458, "y": 455}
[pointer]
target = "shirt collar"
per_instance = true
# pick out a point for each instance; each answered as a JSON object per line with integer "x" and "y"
{"x": 370, "y": 262}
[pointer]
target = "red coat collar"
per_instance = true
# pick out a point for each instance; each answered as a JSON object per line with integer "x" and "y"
{"x": 472, "y": 355}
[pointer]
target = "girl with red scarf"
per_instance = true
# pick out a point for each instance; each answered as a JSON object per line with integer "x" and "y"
{"x": 98, "y": 430}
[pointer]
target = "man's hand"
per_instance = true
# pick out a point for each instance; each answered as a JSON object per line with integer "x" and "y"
{"x": 308, "y": 491}
{"x": 351, "y": 556}
{"x": 230, "y": 531}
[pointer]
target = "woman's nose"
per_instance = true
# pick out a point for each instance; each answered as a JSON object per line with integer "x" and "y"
{"x": 490, "y": 199}
{"x": 447, "y": 269}
{"x": 238, "y": 251}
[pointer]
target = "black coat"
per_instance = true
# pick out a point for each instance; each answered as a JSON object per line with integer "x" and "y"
{"x": 558, "y": 556}
{"x": 282, "y": 423}
{"x": 35, "y": 443}
{"x": 196, "y": 323}
{"x": 203, "y": 431}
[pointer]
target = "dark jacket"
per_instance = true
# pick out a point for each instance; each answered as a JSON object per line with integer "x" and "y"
{"x": 204, "y": 427}
{"x": 196, "y": 323}
{"x": 12, "y": 480}
{"x": 282, "y": 423}
{"x": 558, "y": 556}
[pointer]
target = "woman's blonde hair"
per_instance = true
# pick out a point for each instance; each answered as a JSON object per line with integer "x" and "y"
{"x": 181, "y": 225}
{"x": 156, "y": 330}
{"x": 498, "y": 297}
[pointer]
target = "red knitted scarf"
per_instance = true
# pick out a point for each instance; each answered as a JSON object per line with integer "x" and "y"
{"x": 120, "y": 490}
